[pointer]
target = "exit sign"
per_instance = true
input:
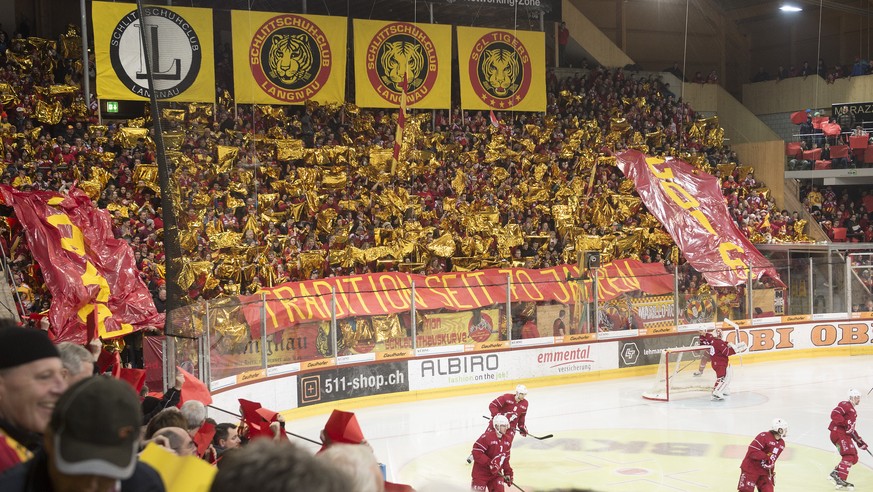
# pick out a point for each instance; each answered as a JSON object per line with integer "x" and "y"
{"x": 111, "y": 106}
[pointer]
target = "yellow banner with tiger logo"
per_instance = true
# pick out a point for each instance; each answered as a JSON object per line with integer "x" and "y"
{"x": 179, "y": 37}
{"x": 501, "y": 69}
{"x": 288, "y": 58}
{"x": 386, "y": 51}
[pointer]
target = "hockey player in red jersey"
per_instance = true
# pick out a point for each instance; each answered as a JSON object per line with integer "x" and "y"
{"x": 845, "y": 436}
{"x": 719, "y": 357}
{"x": 491, "y": 468}
{"x": 514, "y": 407}
{"x": 759, "y": 466}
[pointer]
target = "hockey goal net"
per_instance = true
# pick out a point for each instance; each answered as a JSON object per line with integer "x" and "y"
{"x": 676, "y": 373}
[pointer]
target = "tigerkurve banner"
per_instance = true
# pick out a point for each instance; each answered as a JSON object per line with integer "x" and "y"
{"x": 91, "y": 275}
{"x": 288, "y": 58}
{"x": 386, "y": 51}
{"x": 502, "y": 69}
{"x": 690, "y": 205}
{"x": 180, "y": 39}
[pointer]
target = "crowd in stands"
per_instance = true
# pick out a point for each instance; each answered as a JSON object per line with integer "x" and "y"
{"x": 325, "y": 200}
{"x": 838, "y": 71}
{"x": 846, "y": 217}
{"x": 72, "y": 431}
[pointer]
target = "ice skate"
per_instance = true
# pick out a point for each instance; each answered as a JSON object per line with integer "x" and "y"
{"x": 698, "y": 373}
{"x": 839, "y": 483}
{"x": 717, "y": 397}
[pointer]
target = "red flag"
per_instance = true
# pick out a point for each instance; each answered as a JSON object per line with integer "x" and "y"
{"x": 83, "y": 264}
{"x": 798, "y": 117}
{"x": 203, "y": 438}
{"x": 194, "y": 389}
{"x": 253, "y": 415}
{"x": 494, "y": 121}
{"x": 107, "y": 360}
{"x": 830, "y": 129}
{"x": 401, "y": 119}
{"x": 133, "y": 377}
{"x": 690, "y": 205}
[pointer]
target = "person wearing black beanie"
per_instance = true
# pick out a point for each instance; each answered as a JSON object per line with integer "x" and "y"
{"x": 31, "y": 381}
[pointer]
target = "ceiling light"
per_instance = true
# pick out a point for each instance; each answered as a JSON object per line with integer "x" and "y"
{"x": 790, "y": 8}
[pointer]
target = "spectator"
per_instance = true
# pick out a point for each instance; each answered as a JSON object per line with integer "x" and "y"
{"x": 180, "y": 441}
{"x": 78, "y": 362}
{"x": 169, "y": 417}
{"x": 151, "y": 406}
{"x": 761, "y": 75}
{"x": 195, "y": 414}
{"x": 356, "y": 462}
{"x": 563, "y": 40}
{"x": 276, "y": 466}
{"x": 91, "y": 443}
{"x": 31, "y": 382}
{"x": 226, "y": 438}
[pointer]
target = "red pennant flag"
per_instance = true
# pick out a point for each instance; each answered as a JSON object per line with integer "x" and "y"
{"x": 798, "y": 117}
{"x": 253, "y": 415}
{"x": 401, "y": 119}
{"x": 203, "y": 438}
{"x": 494, "y": 121}
{"x": 133, "y": 377}
{"x": 107, "y": 360}
{"x": 830, "y": 129}
{"x": 194, "y": 389}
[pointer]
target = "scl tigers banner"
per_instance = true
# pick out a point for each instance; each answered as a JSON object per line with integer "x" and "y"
{"x": 288, "y": 58}
{"x": 84, "y": 266}
{"x": 389, "y": 293}
{"x": 385, "y": 51}
{"x": 179, "y": 37}
{"x": 690, "y": 205}
{"x": 502, "y": 70}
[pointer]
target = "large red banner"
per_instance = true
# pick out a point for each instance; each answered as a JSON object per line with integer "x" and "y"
{"x": 91, "y": 275}
{"x": 385, "y": 293}
{"x": 690, "y": 205}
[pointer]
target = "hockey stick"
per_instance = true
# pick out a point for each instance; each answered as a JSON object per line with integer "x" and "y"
{"x": 513, "y": 483}
{"x": 541, "y": 438}
{"x": 737, "y": 336}
{"x": 286, "y": 432}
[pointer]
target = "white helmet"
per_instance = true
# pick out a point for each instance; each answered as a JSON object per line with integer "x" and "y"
{"x": 500, "y": 420}
{"x": 521, "y": 389}
{"x": 854, "y": 396}
{"x": 780, "y": 426}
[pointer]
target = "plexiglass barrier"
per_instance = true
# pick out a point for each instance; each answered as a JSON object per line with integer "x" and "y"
{"x": 287, "y": 333}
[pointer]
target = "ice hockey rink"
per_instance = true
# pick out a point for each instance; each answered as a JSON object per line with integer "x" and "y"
{"x": 608, "y": 438}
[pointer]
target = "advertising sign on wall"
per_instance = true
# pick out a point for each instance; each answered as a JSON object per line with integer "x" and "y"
{"x": 352, "y": 382}
{"x": 459, "y": 370}
{"x": 647, "y": 350}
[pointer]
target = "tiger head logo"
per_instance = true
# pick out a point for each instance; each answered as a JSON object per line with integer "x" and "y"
{"x": 500, "y": 71}
{"x": 290, "y": 59}
{"x": 399, "y": 58}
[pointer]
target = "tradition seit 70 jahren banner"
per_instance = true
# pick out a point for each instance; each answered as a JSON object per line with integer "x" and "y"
{"x": 501, "y": 69}
{"x": 386, "y": 51}
{"x": 180, "y": 39}
{"x": 288, "y": 58}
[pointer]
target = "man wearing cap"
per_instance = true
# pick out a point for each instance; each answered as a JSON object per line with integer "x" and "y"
{"x": 90, "y": 444}
{"x": 31, "y": 381}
